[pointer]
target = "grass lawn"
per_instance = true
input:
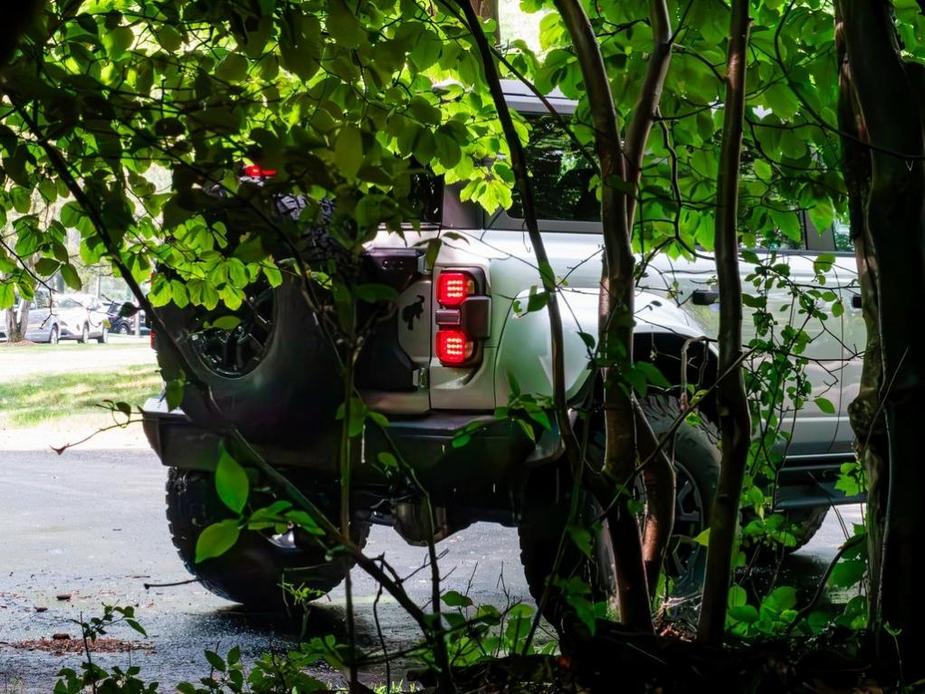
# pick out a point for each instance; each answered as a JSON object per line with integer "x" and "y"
{"x": 39, "y": 398}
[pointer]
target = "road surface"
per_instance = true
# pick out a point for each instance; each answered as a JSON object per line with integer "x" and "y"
{"x": 90, "y": 525}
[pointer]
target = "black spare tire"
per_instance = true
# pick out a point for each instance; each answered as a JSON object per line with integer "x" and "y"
{"x": 286, "y": 395}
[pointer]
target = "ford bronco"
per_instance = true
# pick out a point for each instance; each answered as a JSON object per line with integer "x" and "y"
{"x": 458, "y": 346}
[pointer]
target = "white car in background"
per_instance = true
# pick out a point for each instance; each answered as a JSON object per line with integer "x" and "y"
{"x": 81, "y": 317}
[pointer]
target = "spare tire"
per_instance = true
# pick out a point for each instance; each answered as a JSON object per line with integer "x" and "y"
{"x": 287, "y": 395}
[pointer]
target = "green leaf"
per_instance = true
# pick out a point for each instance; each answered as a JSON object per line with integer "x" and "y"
{"x": 743, "y": 613}
{"x": 823, "y": 262}
{"x": 454, "y": 598}
{"x": 737, "y": 596}
{"x": 117, "y": 41}
{"x": 652, "y": 373}
{"x": 215, "y": 660}
{"x": 70, "y": 276}
{"x": 233, "y": 68}
{"x": 581, "y": 538}
{"x": 825, "y": 405}
{"x": 847, "y": 573}
{"x": 348, "y": 151}
{"x": 822, "y": 214}
{"x": 231, "y": 482}
{"x": 343, "y": 25}
{"x": 217, "y": 539}
{"x": 173, "y": 392}
{"x": 703, "y": 538}
{"x": 46, "y": 267}
{"x": 228, "y": 323}
{"x": 7, "y": 294}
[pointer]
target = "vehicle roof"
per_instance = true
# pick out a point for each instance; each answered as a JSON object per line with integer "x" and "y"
{"x": 521, "y": 98}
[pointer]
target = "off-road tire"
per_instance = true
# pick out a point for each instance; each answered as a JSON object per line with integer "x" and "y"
{"x": 251, "y": 572}
{"x": 543, "y": 519}
{"x": 809, "y": 521}
{"x": 289, "y": 399}
{"x": 545, "y": 507}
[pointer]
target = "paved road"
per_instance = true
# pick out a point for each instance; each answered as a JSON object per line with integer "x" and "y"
{"x": 90, "y": 525}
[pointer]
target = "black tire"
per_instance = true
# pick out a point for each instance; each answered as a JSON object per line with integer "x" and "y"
{"x": 54, "y": 336}
{"x": 696, "y": 456}
{"x": 288, "y": 399}
{"x": 694, "y": 450}
{"x": 104, "y": 336}
{"x": 251, "y": 572}
{"x": 84, "y": 336}
{"x": 808, "y": 520}
{"x": 124, "y": 329}
{"x": 543, "y": 519}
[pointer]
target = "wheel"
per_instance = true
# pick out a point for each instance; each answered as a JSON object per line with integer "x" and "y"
{"x": 104, "y": 336}
{"x": 84, "y": 334}
{"x": 252, "y": 571}
{"x": 543, "y": 520}
{"x": 53, "y": 336}
{"x": 808, "y": 522}
{"x": 694, "y": 451}
{"x": 275, "y": 375}
{"x": 696, "y": 458}
{"x": 123, "y": 329}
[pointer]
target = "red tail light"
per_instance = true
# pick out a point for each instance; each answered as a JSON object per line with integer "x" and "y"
{"x": 257, "y": 171}
{"x": 463, "y": 316}
{"x": 454, "y": 347}
{"x": 454, "y": 287}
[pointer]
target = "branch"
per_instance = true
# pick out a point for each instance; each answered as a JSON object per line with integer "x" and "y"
{"x": 646, "y": 109}
{"x": 732, "y": 401}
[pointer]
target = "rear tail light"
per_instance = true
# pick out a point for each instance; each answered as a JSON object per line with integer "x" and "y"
{"x": 454, "y": 287}
{"x": 454, "y": 348}
{"x": 257, "y": 171}
{"x": 462, "y": 315}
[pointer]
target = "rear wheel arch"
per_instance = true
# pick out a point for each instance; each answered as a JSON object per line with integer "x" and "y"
{"x": 666, "y": 351}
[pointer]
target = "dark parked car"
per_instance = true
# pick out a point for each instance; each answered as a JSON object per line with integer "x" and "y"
{"x": 125, "y": 325}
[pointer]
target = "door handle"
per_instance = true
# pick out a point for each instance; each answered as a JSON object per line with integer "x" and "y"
{"x": 704, "y": 297}
{"x": 855, "y": 301}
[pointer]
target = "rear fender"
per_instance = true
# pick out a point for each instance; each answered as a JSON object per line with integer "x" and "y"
{"x": 524, "y": 355}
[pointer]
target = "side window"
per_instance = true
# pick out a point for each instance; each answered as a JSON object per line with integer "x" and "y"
{"x": 843, "y": 241}
{"x": 40, "y": 300}
{"x": 561, "y": 175}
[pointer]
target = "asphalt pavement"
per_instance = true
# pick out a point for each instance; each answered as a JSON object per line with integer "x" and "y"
{"x": 89, "y": 527}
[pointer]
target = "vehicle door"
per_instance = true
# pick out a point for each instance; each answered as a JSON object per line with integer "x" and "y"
{"x": 815, "y": 429}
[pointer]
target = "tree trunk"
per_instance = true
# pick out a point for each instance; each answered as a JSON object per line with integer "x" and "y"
{"x": 488, "y": 9}
{"x": 616, "y": 324}
{"x": 732, "y": 404}
{"x": 895, "y": 213}
{"x": 658, "y": 475}
{"x": 865, "y": 410}
{"x": 17, "y": 326}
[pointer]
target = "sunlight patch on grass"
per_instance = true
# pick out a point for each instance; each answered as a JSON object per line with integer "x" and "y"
{"x": 35, "y": 399}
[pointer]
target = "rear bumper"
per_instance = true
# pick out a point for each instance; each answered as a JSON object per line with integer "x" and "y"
{"x": 495, "y": 449}
{"x": 805, "y": 483}
{"x": 496, "y": 452}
